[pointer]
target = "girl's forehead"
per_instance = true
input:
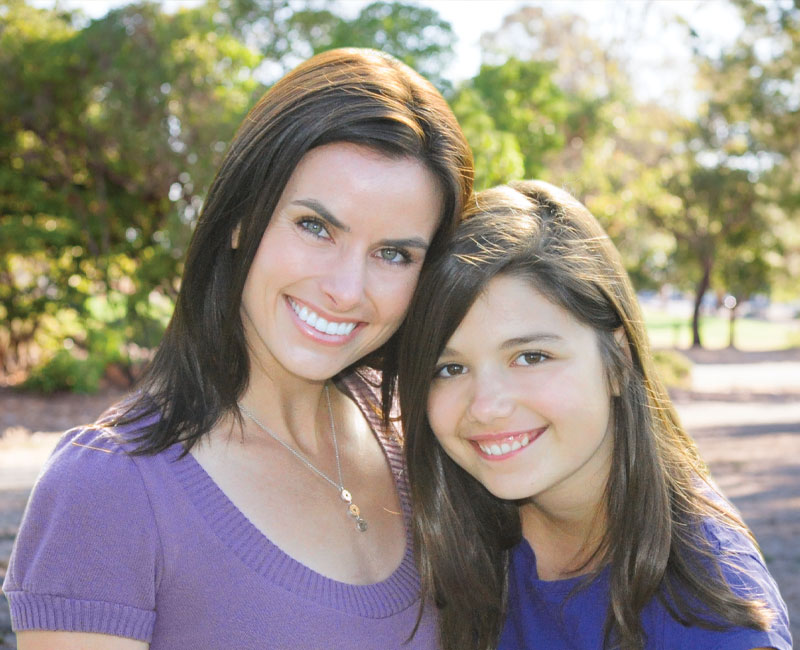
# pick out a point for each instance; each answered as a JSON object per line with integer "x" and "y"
{"x": 513, "y": 306}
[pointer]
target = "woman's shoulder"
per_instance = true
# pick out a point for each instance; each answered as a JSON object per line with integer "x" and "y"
{"x": 92, "y": 455}
{"x": 86, "y": 543}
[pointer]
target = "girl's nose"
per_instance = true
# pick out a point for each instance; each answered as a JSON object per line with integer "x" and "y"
{"x": 491, "y": 399}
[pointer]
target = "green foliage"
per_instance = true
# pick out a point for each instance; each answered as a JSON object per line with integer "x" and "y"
{"x": 674, "y": 369}
{"x": 112, "y": 130}
{"x": 513, "y": 116}
{"x": 65, "y": 372}
{"x": 416, "y": 35}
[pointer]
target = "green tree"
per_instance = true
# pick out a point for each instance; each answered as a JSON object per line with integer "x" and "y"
{"x": 113, "y": 132}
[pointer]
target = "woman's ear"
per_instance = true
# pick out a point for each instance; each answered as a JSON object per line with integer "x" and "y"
{"x": 235, "y": 236}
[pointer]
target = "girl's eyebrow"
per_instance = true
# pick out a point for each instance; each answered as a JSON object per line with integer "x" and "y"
{"x": 542, "y": 337}
{"x": 513, "y": 343}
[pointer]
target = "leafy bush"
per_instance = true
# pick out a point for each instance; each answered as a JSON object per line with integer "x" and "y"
{"x": 64, "y": 371}
{"x": 674, "y": 368}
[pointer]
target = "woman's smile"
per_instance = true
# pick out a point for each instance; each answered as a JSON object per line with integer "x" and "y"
{"x": 322, "y": 329}
{"x": 339, "y": 260}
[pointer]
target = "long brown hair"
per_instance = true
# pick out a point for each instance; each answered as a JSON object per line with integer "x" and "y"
{"x": 358, "y": 96}
{"x": 657, "y": 494}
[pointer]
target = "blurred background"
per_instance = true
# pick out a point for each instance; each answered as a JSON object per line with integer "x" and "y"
{"x": 676, "y": 123}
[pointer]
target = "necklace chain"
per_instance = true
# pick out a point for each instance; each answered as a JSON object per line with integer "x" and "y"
{"x": 352, "y": 509}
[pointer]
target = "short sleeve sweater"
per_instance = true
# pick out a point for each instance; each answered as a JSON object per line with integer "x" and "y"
{"x": 150, "y": 548}
{"x": 554, "y": 615}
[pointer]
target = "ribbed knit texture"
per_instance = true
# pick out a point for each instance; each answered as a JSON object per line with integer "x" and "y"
{"x": 150, "y": 548}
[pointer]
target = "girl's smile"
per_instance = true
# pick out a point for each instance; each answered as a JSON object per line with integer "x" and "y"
{"x": 520, "y": 398}
{"x": 504, "y": 445}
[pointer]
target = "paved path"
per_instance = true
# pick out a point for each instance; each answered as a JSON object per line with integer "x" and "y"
{"x": 744, "y": 411}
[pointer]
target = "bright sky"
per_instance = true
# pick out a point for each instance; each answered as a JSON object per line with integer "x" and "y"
{"x": 645, "y": 27}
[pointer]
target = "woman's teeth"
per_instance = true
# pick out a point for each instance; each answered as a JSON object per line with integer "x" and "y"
{"x": 504, "y": 447}
{"x": 320, "y": 324}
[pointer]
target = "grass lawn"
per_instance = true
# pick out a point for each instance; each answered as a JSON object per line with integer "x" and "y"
{"x": 668, "y": 330}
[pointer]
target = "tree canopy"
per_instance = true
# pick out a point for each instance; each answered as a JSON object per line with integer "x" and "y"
{"x": 112, "y": 129}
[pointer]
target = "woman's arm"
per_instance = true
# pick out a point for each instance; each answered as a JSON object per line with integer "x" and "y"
{"x": 37, "y": 640}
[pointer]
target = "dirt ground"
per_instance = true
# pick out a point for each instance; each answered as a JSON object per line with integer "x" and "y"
{"x": 743, "y": 410}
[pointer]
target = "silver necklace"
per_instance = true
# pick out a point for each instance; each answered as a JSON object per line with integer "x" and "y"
{"x": 352, "y": 509}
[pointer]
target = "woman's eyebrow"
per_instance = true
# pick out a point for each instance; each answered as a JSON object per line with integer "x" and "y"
{"x": 411, "y": 242}
{"x": 322, "y": 211}
{"x": 325, "y": 214}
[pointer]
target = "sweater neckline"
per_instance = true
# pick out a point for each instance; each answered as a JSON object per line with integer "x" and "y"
{"x": 396, "y": 593}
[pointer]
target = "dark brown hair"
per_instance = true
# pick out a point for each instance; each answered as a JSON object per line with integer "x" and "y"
{"x": 657, "y": 493}
{"x": 358, "y": 96}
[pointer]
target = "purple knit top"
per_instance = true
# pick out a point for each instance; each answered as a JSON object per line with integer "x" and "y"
{"x": 150, "y": 548}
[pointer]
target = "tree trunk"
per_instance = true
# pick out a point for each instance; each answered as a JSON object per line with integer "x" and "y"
{"x": 702, "y": 287}
{"x": 732, "y": 327}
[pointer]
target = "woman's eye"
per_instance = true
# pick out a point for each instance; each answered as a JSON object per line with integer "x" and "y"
{"x": 393, "y": 255}
{"x": 530, "y": 358}
{"x": 314, "y": 227}
{"x": 450, "y": 370}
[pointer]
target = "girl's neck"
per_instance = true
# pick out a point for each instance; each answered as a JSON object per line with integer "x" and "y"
{"x": 565, "y": 541}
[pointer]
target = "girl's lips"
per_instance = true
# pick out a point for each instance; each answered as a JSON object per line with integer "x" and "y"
{"x": 336, "y": 332}
{"x": 502, "y": 446}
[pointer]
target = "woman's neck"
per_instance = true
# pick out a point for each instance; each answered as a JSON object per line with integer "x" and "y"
{"x": 293, "y": 408}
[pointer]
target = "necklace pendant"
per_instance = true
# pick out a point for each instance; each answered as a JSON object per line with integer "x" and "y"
{"x": 346, "y": 496}
{"x": 355, "y": 512}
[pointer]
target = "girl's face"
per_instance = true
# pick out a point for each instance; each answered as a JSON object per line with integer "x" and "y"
{"x": 520, "y": 400}
{"x": 336, "y": 267}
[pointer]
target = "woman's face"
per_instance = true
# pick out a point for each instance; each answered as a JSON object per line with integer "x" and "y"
{"x": 339, "y": 261}
{"x": 520, "y": 400}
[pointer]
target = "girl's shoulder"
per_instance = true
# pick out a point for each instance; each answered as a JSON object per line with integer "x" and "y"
{"x": 743, "y": 567}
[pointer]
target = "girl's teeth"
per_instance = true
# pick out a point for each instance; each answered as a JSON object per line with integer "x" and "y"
{"x": 312, "y": 320}
{"x": 332, "y": 328}
{"x": 504, "y": 447}
{"x": 303, "y": 313}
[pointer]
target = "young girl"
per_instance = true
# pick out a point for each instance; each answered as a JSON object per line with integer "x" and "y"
{"x": 558, "y": 503}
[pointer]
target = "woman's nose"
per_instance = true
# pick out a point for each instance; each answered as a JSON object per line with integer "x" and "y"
{"x": 491, "y": 399}
{"x": 344, "y": 283}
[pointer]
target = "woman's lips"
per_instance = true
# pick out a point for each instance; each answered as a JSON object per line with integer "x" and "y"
{"x": 505, "y": 445}
{"x": 322, "y": 329}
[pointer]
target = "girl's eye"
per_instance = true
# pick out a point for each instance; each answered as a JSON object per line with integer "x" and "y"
{"x": 314, "y": 227}
{"x": 449, "y": 370}
{"x": 394, "y": 256}
{"x": 530, "y": 358}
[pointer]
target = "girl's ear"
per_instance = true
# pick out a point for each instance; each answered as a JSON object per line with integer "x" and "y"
{"x": 235, "y": 236}
{"x": 622, "y": 341}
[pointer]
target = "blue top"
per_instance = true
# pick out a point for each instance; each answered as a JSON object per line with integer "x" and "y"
{"x": 541, "y": 614}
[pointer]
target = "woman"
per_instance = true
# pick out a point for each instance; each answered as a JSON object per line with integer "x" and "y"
{"x": 558, "y": 503}
{"x": 248, "y": 495}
